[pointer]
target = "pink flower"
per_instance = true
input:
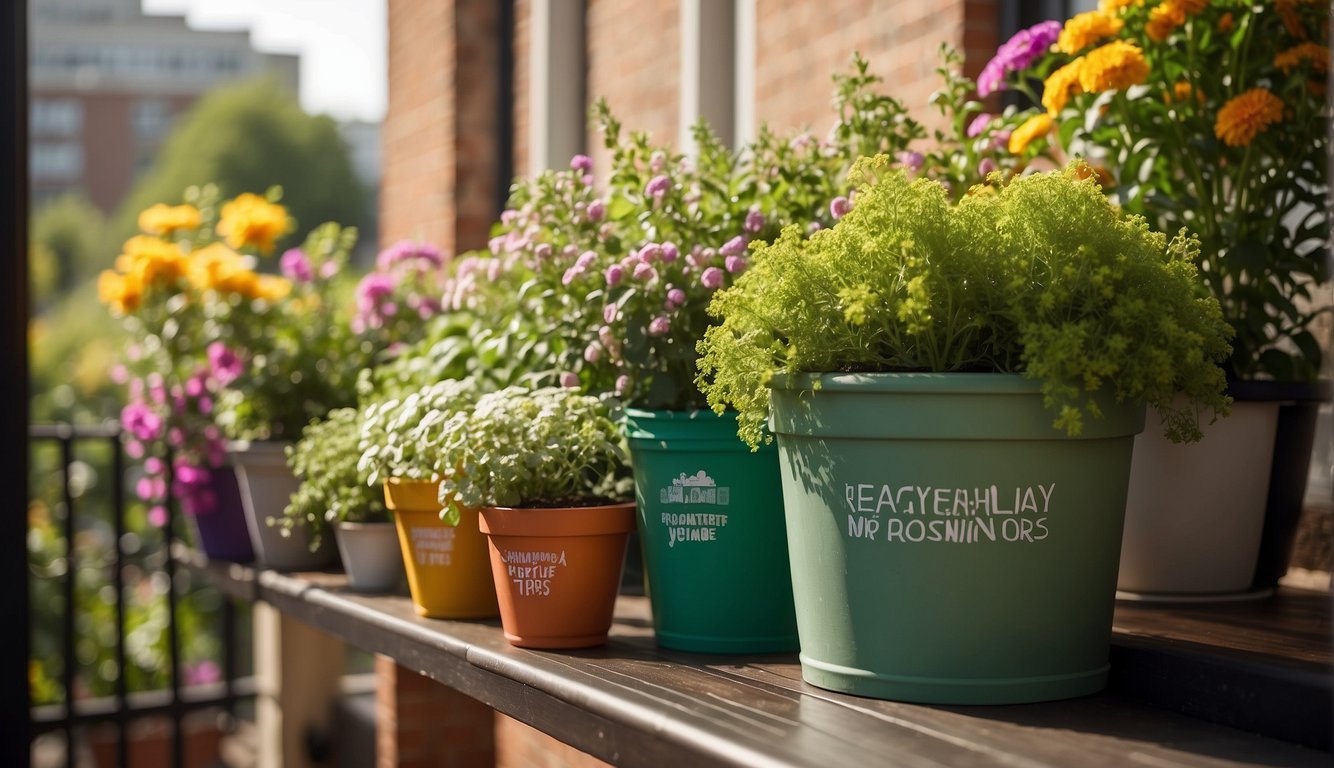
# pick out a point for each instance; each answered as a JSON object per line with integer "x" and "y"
{"x": 596, "y": 210}
{"x": 194, "y": 386}
{"x": 202, "y": 673}
{"x": 141, "y": 421}
{"x": 734, "y": 247}
{"x": 119, "y": 374}
{"x": 581, "y": 163}
{"x": 144, "y": 489}
{"x": 569, "y": 379}
{"x": 712, "y": 278}
{"x": 986, "y": 167}
{"x": 676, "y": 297}
{"x": 839, "y": 207}
{"x": 657, "y": 187}
{"x": 592, "y": 352}
{"x": 979, "y": 124}
{"x": 296, "y": 266}
{"x": 735, "y": 264}
{"x": 175, "y": 437}
{"x": 134, "y": 449}
{"x": 205, "y": 405}
{"x": 669, "y": 252}
{"x": 607, "y": 337}
{"x": 622, "y": 384}
{"x": 153, "y": 465}
{"x": 609, "y": 313}
{"x": 586, "y": 260}
{"x": 157, "y": 516}
{"x": 659, "y": 326}
{"x": 649, "y": 252}
{"x": 657, "y": 161}
{"x": 754, "y": 220}
{"x": 614, "y": 274}
{"x": 645, "y": 272}
{"x": 571, "y": 274}
{"x": 911, "y": 160}
{"x": 328, "y": 269}
{"x": 542, "y": 251}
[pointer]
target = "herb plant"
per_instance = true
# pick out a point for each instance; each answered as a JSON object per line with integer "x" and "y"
{"x": 521, "y": 447}
{"x": 333, "y": 489}
{"x": 405, "y": 437}
{"x": 1041, "y": 276}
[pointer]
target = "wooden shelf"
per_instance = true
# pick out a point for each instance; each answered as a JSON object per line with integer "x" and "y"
{"x": 631, "y": 703}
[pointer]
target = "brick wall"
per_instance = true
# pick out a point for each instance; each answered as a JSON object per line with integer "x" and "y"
{"x": 523, "y": 14}
{"x": 420, "y": 723}
{"x": 522, "y": 746}
{"x": 634, "y": 61}
{"x": 800, "y": 44}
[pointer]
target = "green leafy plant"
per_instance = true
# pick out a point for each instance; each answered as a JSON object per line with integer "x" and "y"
{"x": 333, "y": 489}
{"x": 1041, "y": 276}
{"x": 522, "y": 447}
{"x": 1211, "y": 116}
{"x": 405, "y": 437}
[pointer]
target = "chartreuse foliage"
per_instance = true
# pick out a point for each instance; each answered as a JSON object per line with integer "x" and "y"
{"x": 332, "y": 489}
{"x": 1040, "y": 276}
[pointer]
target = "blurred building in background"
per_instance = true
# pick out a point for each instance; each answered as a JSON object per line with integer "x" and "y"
{"x": 106, "y": 83}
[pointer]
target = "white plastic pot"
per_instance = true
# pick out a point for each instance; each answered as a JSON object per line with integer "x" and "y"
{"x": 371, "y": 555}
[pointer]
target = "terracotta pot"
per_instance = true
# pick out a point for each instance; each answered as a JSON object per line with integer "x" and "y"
{"x": 557, "y": 571}
{"x": 447, "y": 567}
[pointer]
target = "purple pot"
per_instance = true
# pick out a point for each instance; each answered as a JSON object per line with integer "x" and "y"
{"x": 221, "y": 532}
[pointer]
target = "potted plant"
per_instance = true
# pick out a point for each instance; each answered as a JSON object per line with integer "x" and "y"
{"x": 334, "y": 494}
{"x": 955, "y": 389}
{"x": 540, "y": 468}
{"x": 402, "y": 444}
{"x": 1210, "y": 117}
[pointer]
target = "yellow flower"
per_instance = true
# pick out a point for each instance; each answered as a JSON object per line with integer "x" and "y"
{"x": 162, "y": 219}
{"x": 1163, "y": 20}
{"x": 1085, "y": 29}
{"x": 1112, "y": 6}
{"x": 153, "y": 261}
{"x": 251, "y": 220}
{"x": 1060, "y": 86}
{"x": 1115, "y": 66}
{"x": 1182, "y": 91}
{"x": 123, "y": 293}
{"x": 1035, "y": 127}
{"x": 1245, "y": 116}
{"x": 1098, "y": 173}
{"x": 1304, "y": 53}
{"x": 215, "y": 267}
{"x": 271, "y": 287}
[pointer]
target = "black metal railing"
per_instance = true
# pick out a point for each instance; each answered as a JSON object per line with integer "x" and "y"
{"x": 123, "y": 706}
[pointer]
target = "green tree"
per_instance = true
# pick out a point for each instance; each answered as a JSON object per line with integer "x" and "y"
{"x": 66, "y": 241}
{"x": 247, "y": 137}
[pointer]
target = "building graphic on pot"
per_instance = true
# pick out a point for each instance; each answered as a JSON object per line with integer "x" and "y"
{"x": 698, "y": 488}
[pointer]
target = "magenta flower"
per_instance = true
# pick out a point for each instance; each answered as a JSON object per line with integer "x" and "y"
{"x": 153, "y": 465}
{"x": 202, "y": 673}
{"x": 569, "y": 379}
{"x": 649, "y": 252}
{"x": 979, "y": 124}
{"x": 669, "y": 252}
{"x": 586, "y": 260}
{"x": 839, "y": 207}
{"x": 657, "y": 187}
{"x": 645, "y": 272}
{"x": 542, "y": 251}
{"x": 596, "y": 210}
{"x": 1017, "y": 53}
{"x": 581, "y": 163}
{"x": 144, "y": 489}
{"x": 406, "y": 251}
{"x": 911, "y": 160}
{"x": 141, "y": 421}
{"x": 734, "y": 247}
{"x": 712, "y": 278}
{"x": 675, "y": 298}
{"x": 592, "y": 352}
{"x": 570, "y": 275}
{"x": 985, "y": 167}
{"x": 754, "y": 220}
{"x": 157, "y": 516}
{"x": 296, "y": 266}
{"x": 614, "y": 274}
{"x": 609, "y": 313}
{"x": 659, "y": 326}
{"x": 735, "y": 264}
{"x": 328, "y": 269}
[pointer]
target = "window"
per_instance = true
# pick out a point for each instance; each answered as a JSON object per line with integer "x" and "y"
{"x": 150, "y": 118}
{"x": 56, "y": 117}
{"x": 56, "y": 160}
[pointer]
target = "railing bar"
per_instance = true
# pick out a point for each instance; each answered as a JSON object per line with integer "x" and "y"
{"x": 118, "y": 525}
{"x": 173, "y": 634}
{"x": 67, "y": 620}
{"x": 51, "y": 717}
{"x": 68, "y": 431}
{"x": 229, "y": 654}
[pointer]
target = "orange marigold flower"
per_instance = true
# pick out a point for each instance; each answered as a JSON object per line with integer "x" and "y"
{"x": 1247, "y": 115}
{"x": 1225, "y": 23}
{"x": 1192, "y": 7}
{"x": 1115, "y": 66}
{"x": 1035, "y": 127}
{"x": 1314, "y": 54}
{"x": 1182, "y": 91}
{"x": 1085, "y": 29}
{"x": 163, "y": 219}
{"x": 1292, "y": 19}
{"x": 1097, "y": 173}
{"x": 1060, "y": 86}
{"x": 1163, "y": 20}
{"x": 251, "y": 220}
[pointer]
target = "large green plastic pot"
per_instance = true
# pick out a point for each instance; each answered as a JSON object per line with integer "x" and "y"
{"x": 948, "y": 544}
{"x": 711, "y": 526}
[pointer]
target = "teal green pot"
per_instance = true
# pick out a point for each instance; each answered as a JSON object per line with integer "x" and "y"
{"x": 948, "y": 545}
{"x": 711, "y": 526}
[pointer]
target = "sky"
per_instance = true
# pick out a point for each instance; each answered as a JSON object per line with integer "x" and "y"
{"x": 341, "y": 42}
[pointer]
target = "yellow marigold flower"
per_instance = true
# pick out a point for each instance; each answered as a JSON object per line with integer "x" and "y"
{"x": 1182, "y": 91}
{"x": 1112, "y": 6}
{"x": 123, "y": 293}
{"x": 1115, "y": 66}
{"x": 1163, "y": 20}
{"x": 251, "y": 220}
{"x": 1247, "y": 115}
{"x": 1085, "y": 29}
{"x": 1060, "y": 86}
{"x": 1225, "y": 23}
{"x": 1035, "y": 127}
{"x": 163, "y": 219}
{"x": 271, "y": 287}
{"x": 1304, "y": 53}
{"x": 1098, "y": 173}
{"x": 152, "y": 260}
{"x": 213, "y": 267}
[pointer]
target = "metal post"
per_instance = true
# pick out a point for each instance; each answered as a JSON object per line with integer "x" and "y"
{"x": 118, "y": 530}
{"x": 67, "y": 587}
{"x": 173, "y": 632}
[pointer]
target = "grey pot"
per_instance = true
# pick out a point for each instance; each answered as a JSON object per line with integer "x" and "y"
{"x": 267, "y": 486}
{"x": 371, "y": 556}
